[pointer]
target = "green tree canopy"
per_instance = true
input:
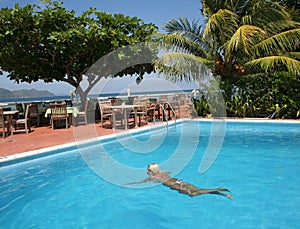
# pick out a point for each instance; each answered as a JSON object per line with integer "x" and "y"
{"x": 53, "y": 43}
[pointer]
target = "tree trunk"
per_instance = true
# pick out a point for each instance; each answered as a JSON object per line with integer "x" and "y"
{"x": 82, "y": 95}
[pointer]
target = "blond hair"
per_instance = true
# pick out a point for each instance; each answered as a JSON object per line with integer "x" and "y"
{"x": 154, "y": 167}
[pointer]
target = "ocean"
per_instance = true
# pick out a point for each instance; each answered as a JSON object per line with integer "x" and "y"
{"x": 67, "y": 97}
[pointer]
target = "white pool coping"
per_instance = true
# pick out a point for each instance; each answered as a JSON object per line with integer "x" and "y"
{"x": 259, "y": 120}
{"x": 76, "y": 143}
{"x": 110, "y": 136}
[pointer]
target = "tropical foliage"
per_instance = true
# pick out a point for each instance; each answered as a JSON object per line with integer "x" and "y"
{"x": 245, "y": 42}
{"x": 52, "y": 43}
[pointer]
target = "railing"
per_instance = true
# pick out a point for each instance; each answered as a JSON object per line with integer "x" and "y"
{"x": 164, "y": 116}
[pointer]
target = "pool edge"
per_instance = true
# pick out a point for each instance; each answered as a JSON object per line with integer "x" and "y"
{"x": 25, "y": 156}
{"x": 11, "y": 159}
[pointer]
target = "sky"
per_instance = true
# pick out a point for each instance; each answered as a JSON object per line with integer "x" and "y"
{"x": 155, "y": 11}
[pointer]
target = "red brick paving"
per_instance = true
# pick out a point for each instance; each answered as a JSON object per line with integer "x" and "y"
{"x": 42, "y": 137}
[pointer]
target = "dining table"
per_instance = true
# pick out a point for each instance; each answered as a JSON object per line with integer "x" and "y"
{"x": 124, "y": 109}
{"x": 72, "y": 111}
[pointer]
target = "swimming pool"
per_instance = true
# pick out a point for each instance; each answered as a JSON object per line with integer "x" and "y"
{"x": 258, "y": 161}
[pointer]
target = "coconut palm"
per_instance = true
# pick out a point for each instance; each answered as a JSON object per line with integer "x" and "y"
{"x": 238, "y": 37}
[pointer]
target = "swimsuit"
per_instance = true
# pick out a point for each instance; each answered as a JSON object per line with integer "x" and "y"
{"x": 180, "y": 182}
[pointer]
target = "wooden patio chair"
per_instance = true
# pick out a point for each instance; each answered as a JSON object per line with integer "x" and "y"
{"x": 105, "y": 110}
{"x": 82, "y": 116}
{"x": 22, "y": 124}
{"x": 141, "y": 112}
{"x": 4, "y": 125}
{"x": 34, "y": 113}
{"x": 20, "y": 108}
{"x": 59, "y": 112}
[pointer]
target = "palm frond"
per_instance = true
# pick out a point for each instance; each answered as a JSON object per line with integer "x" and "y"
{"x": 294, "y": 55}
{"x": 282, "y": 42}
{"x": 264, "y": 12}
{"x": 273, "y": 63}
{"x": 241, "y": 5}
{"x": 182, "y": 26}
{"x": 176, "y": 43}
{"x": 207, "y": 8}
{"x": 210, "y": 7}
{"x": 222, "y": 24}
{"x": 244, "y": 38}
{"x": 279, "y": 26}
{"x": 180, "y": 66}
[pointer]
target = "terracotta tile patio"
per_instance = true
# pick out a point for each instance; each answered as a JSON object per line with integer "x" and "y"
{"x": 42, "y": 137}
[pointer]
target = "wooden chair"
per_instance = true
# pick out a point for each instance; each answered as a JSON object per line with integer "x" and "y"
{"x": 82, "y": 116}
{"x": 34, "y": 113}
{"x": 69, "y": 103}
{"x": 3, "y": 123}
{"x": 20, "y": 108}
{"x": 59, "y": 112}
{"x": 22, "y": 124}
{"x": 142, "y": 112}
{"x": 105, "y": 111}
{"x": 151, "y": 108}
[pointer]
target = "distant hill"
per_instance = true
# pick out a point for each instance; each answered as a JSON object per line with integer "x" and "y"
{"x": 24, "y": 93}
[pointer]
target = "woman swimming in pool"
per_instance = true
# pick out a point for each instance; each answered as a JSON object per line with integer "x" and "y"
{"x": 158, "y": 175}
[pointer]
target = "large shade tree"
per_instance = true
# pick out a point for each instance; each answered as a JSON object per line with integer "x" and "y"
{"x": 238, "y": 38}
{"x": 52, "y": 43}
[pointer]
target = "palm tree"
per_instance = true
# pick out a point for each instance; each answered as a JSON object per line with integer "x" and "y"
{"x": 238, "y": 37}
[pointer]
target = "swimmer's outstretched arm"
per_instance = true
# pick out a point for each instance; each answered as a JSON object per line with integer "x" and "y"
{"x": 140, "y": 182}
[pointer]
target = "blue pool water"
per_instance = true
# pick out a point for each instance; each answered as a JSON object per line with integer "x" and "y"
{"x": 259, "y": 162}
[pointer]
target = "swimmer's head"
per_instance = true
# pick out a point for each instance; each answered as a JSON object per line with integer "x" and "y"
{"x": 153, "y": 169}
